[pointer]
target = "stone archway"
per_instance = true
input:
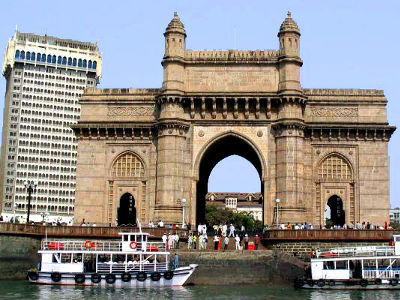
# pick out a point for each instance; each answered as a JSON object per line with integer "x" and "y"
{"x": 226, "y": 145}
{"x": 337, "y": 215}
{"x": 126, "y": 212}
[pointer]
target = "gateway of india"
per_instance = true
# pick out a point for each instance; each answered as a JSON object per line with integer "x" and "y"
{"x": 141, "y": 151}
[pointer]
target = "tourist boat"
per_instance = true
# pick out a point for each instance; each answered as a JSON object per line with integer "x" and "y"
{"x": 131, "y": 262}
{"x": 371, "y": 267}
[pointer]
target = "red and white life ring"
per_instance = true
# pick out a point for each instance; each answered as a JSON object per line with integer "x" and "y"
{"x": 133, "y": 245}
{"x": 88, "y": 244}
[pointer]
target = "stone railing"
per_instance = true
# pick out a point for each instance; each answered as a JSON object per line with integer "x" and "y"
{"x": 78, "y": 231}
{"x": 328, "y": 235}
{"x": 231, "y": 55}
{"x": 343, "y": 92}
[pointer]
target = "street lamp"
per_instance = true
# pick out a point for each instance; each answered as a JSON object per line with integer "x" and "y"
{"x": 30, "y": 186}
{"x": 277, "y": 210}
{"x": 183, "y": 202}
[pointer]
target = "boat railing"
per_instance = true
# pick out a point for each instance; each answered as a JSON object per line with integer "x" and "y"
{"x": 383, "y": 273}
{"x": 357, "y": 251}
{"x": 104, "y": 246}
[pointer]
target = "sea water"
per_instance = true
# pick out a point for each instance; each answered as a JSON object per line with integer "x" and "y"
{"x": 21, "y": 290}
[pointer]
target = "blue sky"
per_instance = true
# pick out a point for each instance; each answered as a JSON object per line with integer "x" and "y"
{"x": 344, "y": 44}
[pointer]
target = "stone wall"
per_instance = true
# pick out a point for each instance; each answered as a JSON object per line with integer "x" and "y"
{"x": 17, "y": 254}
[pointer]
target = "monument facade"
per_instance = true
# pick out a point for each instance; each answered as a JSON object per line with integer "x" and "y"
{"x": 141, "y": 151}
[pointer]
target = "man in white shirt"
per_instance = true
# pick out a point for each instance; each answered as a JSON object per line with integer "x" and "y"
{"x": 165, "y": 240}
{"x": 231, "y": 231}
{"x": 237, "y": 242}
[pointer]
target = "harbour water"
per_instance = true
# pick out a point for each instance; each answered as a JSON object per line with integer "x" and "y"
{"x": 21, "y": 290}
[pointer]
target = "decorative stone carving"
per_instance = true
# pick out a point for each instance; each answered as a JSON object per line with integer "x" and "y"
{"x": 334, "y": 112}
{"x": 259, "y": 133}
{"x": 127, "y": 111}
{"x": 201, "y": 133}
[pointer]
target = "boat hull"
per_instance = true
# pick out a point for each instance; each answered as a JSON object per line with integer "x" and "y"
{"x": 180, "y": 276}
{"x": 348, "y": 285}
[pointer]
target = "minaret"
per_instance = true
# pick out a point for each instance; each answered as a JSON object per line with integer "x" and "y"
{"x": 289, "y": 56}
{"x": 175, "y": 38}
{"x": 289, "y": 134}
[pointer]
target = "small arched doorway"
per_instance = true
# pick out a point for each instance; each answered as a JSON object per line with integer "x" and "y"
{"x": 127, "y": 210}
{"x": 337, "y": 214}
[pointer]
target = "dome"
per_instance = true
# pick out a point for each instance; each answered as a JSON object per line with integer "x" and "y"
{"x": 175, "y": 25}
{"x": 289, "y": 25}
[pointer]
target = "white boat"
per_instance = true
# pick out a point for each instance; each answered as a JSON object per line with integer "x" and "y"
{"x": 131, "y": 262}
{"x": 369, "y": 267}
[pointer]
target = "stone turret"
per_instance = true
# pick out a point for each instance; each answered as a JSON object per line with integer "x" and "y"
{"x": 289, "y": 55}
{"x": 175, "y": 36}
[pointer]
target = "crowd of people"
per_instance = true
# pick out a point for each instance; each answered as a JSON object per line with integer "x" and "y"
{"x": 356, "y": 226}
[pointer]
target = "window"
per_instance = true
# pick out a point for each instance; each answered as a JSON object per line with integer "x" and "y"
{"x": 33, "y": 56}
{"x": 59, "y": 60}
{"x": 43, "y": 58}
{"x": 95, "y": 65}
{"x": 53, "y": 59}
{"x": 84, "y": 63}
{"x": 231, "y": 203}
{"x": 74, "y": 62}
{"x": 90, "y": 64}
{"x": 64, "y": 60}
{"x": 128, "y": 165}
{"x": 17, "y": 54}
{"x": 69, "y": 61}
{"x": 28, "y": 55}
{"x": 49, "y": 59}
{"x": 335, "y": 167}
{"x": 22, "y": 55}
{"x": 38, "y": 57}
{"x": 80, "y": 63}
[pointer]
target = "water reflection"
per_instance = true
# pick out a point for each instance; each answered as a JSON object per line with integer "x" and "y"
{"x": 355, "y": 295}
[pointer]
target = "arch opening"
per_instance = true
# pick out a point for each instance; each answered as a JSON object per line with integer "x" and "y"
{"x": 335, "y": 214}
{"x": 220, "y": 149}
{"x": 126, "y": 211}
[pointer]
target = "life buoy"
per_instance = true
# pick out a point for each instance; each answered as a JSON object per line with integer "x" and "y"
{"x": 141, "y": 276}
{"x": 321, "y": 283}
{"x": 133, "y": 245}
{"x": 168, "y": 275}
{"x": 394, "y": 282}
{"x": 126, "y": 277}
{"x": 363, "y": 282}
{"x": 155, "y": 276}
{"x": 332, "y": 283}
{"x": 56, "y": 277}
{"x": 88, "y": 244}
{"x": 79, "y": 278}
{"x": 378, "y": 281}
{"x": 96, "y": 278}
{"x": 110, "y": 278}
{"x": 33, "y": 275}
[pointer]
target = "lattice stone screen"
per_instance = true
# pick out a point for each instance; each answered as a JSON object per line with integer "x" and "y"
{"x": 335, "y": 167}
{"x": 128, "y": 165}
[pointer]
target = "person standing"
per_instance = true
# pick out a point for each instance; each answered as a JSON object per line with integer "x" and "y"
{"x": 246, "y": 242}
{"x": 176, "y": 261}
{"x": 216, "y": 240}
{"x": 194, "y": 242}
{"x": 165, "y": 240}
{"x": 224, "y": 230}
{"x": 199, "y": 229}
{"x": 190, "y": 242}
{"x": 237, "y": 242}
{"x": 231, "y": 231}
{"x": 256, "y": 242}
{"x": 226, "y": 243}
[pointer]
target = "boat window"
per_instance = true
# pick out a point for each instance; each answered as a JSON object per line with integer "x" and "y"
{"x": 329, "y": 265}
{"x": 117, "y": 258}
{"x": 56, "y": 258}
{"x": 104, "y": 258}
{"x": 66, "y": 258}
{"x": 341, "y": 264}
{"x": 77, "y": 258}
{"x": 126, "y": 238}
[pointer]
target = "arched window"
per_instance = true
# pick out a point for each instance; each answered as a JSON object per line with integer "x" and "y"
{"x": 74, "y": 62}
{"x": 28, "y": 55}
{"x": 49, "y": 59}
{"x": 53, "y": 59}
{"x": 335, "y": 167}
{"x": 33, "y": 56}
{"x": 90, "y": 64}
{"x": 59, "y": 60}
{"x": 69, "y": 61}
{"x": 80, "y": 63}
{"x": 17, "y": 54}
{"x": 95, "y": 65}
{"x": 43, "y": 57}
{"x": 64, "y": 60}
{"x": 38, "y": 56}
{"x": 128, "y": 165}
{"x": 22, "y": 55}
{"x": 84, "y": 63}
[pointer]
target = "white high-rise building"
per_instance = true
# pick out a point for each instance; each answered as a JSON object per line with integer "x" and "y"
{"x": 45, "y": 78}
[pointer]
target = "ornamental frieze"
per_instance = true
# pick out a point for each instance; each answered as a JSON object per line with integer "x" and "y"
{"x": 129, "y": 111}
{"x": 334, "y": 112}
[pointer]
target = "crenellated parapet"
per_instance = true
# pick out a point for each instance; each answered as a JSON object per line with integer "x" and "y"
{"x": 232, "y": 56}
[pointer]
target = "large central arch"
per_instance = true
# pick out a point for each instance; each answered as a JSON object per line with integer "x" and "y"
{"x": 225, "y": 145}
